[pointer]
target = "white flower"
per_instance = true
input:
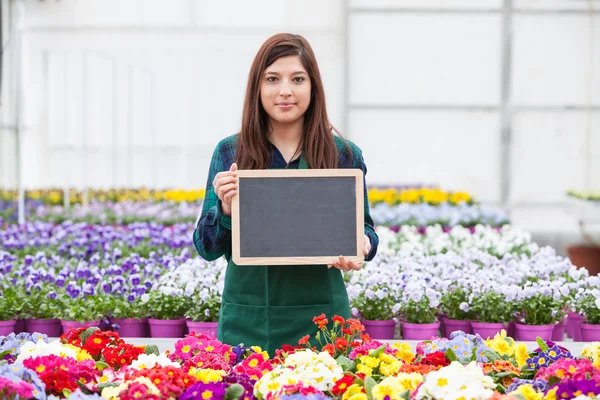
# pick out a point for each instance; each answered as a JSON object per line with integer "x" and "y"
{"x": 145, "y": 297}
{"x": 151, "y": 360}
{"x": 31, "y": 349}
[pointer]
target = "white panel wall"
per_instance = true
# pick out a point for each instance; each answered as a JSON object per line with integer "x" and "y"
{"x": 145, "y": 89}
{"x": 138, "y": 92}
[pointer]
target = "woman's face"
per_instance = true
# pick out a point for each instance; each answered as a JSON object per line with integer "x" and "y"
{"x": 285, "y": 89}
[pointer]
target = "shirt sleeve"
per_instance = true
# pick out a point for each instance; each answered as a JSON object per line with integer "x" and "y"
{"x": 212, "y": 236}
{"x": 369, "y": 224}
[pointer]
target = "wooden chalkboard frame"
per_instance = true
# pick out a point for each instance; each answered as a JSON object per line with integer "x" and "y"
{"x": 299, "y": 173}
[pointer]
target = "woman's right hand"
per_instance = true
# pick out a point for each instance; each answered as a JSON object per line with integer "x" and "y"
{"x": 225, "y": 185}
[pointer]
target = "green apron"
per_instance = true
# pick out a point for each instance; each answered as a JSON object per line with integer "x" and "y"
{"x": 269, "y": 306}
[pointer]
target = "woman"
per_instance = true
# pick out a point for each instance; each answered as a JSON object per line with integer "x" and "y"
{"x": 284, "y": 125}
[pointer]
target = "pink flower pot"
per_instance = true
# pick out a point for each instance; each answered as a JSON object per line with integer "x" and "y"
{"x": 50, "y": 327}
{"x": 380, "y": 329}
{"x": 558, "y": 333}
{"x": 572, "y": 319}
{"x": 529, "y": 333}
{"x": 67, "y": 325}
{"x": 203, "y": 327}
{"x": 487, "y": 329}
{"x": 573, "y": 330}
{"x": 420, "y": 331}
{"x": 132, "y": 327}
{"x": 7, "y": 327}
{"x": 589, "y": 332}
{"x": 166, "y": 328}
{"x": 512, "y": 330}
{"x": 452, "y": 325}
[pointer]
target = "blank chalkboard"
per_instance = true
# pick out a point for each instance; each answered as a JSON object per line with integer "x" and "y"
{"x": 298, "y": 217}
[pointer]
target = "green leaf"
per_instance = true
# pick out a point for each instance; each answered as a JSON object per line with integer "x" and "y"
{"x": 542, "y": 344}
{"x": 346, "y": 363}
{"x": 369, "y": 385}
{"x": 405, "y": 395}
{"x": 503, "y": 374}
{"x": 100, "y": 365}
{"x": 234, "y": 392}
{"x": 152, "y": 349}
{"x": 378, "y": 352}
{"x": 87, "y": 333}
{"x": 107, "y": 384}
{"x": 491, "y": 355}
{"x": 451, "y": 355}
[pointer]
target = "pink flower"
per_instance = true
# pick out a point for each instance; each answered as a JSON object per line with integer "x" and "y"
{"x": 10, "y": 388}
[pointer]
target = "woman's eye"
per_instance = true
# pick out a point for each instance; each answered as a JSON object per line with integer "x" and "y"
{"x": 271, "y": 79}
{"x": 299, "y": 79}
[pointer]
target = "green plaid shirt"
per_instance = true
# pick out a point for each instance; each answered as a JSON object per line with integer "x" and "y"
{"x": 212, "y": 237}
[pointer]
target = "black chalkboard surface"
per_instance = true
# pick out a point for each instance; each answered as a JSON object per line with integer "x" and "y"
{"x": 298, "y": 217}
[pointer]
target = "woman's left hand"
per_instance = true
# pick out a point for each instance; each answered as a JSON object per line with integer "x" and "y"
{"x": 347, "y": 265}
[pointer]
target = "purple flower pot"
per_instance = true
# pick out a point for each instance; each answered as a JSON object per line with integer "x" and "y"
{"x": 573, "y": 325}
{"x": 589, "y": 332}
{"x": 452, "y": 325}
{"x": 203, "y": 327}
{"x": 166, "y": 328}
{"x": 20, "y": 326}
{"x": 558, "y": 333}
{"x": 380, "y": 329}
{"x": 419, "y": 331}
{"x": 50, "y": 327}
{"x": 67, "y": 325}
{"x": 487, "y": 329}
{"x": 132, "y": 327}
{"x": 7, "y": 327}
{"x": 529, "y": 333}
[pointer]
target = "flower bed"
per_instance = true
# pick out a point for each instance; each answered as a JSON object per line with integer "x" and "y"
{"x": 339, "y": 363}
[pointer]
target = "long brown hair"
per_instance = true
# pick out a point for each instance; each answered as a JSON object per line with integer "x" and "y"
{"x": 318, "y": 142}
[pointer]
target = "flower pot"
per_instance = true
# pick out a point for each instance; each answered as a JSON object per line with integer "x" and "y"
{"x": 419, "y": 331}
{"x": 166, "y": 328}
{"x": 453, "y": 325}
{"x": 132, "y": 327}
{"x": 558, "y": 333}
{"x": 380, "y": 329}
{"x": 7, "y": 327}
{"x": 512, "y": 330}
{"x": 203, "y": 327}
{"x": 589, "y": 332}
{"x": 587, "y": 256}
{"x": 529, "y": 333}
{"x": 573, "y": 321}
{"x": 67, "y": 325}
{"x": 20, "y": 326}
{"x": 50, "y": 327}
{"x": 487, "y": 329}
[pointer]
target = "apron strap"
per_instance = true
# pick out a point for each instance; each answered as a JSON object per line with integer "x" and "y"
{"x": 303, "y": 164}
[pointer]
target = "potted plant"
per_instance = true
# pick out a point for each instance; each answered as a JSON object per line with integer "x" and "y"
{"x": 492, "y": 313}
{"x": 166, "y": 310}
{"x": 377, "y": 308}
{"x": 588, "y": 304}
{"x": 538, "y": 310}
{"x": 78, "y": 310}
{"x": 43, "y": 307}
{"x": 130, "y": 315}
{"x": 8, "y": 310}
{"x": 457, "y": 311}
{"x": 419, "y": 308}
{"x": 203, "y": 315}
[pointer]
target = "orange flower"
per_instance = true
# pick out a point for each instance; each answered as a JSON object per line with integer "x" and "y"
{"x": 339, "y": 320}
{"x": 329, "y": 348}
{"x": 341, "y": 343}
{"x": 304, "y": 339}
{"x": 355, "y": 324}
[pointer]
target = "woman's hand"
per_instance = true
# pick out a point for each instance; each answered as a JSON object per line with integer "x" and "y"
{"x": 225, "y": 185}
{"x": 346, "y": 265}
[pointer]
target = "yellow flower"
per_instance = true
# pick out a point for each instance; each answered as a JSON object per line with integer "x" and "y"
{"x": 551, "y": 394}
{"x": 390, "y": 369}
{"x": 521, "y": 354}
{"x": 394, "y": 385}
{"x": 403, "y": 351}
{"x": 501, "y": 347}
{"x": 354, "y": 392}
{"x": 207, "y": 375}
{"x": 528, "y": 392}
{"x": 370, "y": 362}
{"x": 363, "y": 369}
{"x": 81, "y": 354}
